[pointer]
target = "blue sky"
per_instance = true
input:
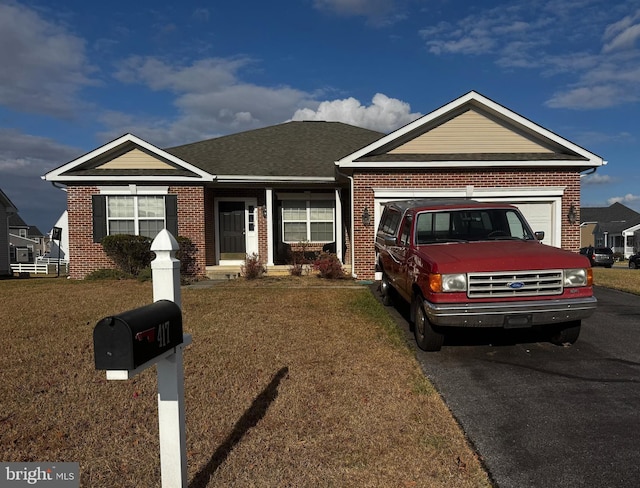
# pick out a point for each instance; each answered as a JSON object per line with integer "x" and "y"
{"x": 77, "y": 74}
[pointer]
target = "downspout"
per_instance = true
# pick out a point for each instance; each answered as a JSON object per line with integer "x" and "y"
{"x": 353, "y": 226}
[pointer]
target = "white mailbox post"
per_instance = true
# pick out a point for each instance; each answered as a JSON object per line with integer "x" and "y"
{"x": 165, "y": 270}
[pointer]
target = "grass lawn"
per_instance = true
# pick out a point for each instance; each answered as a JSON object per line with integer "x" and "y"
{"x": 620, "y": 277}
{"x": 287, "y": 383}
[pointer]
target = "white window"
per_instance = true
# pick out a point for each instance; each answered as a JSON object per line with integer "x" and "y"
{"x": 308, "y": 220}
{"x": 135, "y": 215}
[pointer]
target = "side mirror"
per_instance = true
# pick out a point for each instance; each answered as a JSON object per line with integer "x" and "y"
{"x": 391, "y": 241}
{"x": 539, "y": 235}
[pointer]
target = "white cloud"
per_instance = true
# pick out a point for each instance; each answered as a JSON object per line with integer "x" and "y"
{"x": 212, "y": 100}
{"x": 384, "y": 114}
{"x": 205, "y": 75}
{"x": 43, "y": 66}
{"x": 627, "y": 199}
{"x": 596, "y": 179}
{"x": 599, "y": 54}
{"x": 30, "y": 156}
{"x": 590, "y": 97}
{"x": 622, "y": 34}
{"x": 23, "y": 159}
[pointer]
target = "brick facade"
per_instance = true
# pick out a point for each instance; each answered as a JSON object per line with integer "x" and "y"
{"x": 86, "y": 256}
{"x": 366, "y": 181}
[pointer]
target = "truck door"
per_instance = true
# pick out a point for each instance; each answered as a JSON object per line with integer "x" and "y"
{"x": 404, "y": 243}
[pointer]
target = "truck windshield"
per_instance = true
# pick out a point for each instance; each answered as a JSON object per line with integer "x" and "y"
{"x": 471, "y": 225}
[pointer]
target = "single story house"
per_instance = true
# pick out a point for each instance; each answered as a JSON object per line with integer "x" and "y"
{"x": 319, "y": 184}
{"x": 7, "y": 208}
{"x": 616, "y": 226}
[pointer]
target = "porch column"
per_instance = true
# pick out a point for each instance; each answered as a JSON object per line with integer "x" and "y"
{"x": 269, "y": 204}
{"x": 339, "y": 229}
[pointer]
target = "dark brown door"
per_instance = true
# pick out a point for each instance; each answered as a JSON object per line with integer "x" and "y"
{"x": 232, "y": 233}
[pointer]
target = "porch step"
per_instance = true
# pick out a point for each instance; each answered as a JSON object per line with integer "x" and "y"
{"x": 222, "y": 273}
{"x": 234, "y": 272}
{"x": 226, "y": 273}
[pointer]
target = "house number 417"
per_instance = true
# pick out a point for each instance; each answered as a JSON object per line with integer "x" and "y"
{"x": 163, "y": 334}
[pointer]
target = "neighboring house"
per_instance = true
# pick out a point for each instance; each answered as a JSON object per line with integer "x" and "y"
{"x": 26, "y": 241}
{"x": 321, "y": 184}
{"x": 7, "y": 208}
{"x": 616, "y": 226}
{"x": 59, "y": 249}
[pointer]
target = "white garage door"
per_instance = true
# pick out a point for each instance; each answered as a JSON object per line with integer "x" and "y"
{"x": 540, "y": 217}
{"x": 539, "y": 214}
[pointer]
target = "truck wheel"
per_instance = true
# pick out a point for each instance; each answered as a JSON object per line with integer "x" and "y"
{"x": 567, "y": 333}
{"x": 385, "y": 290}
{"x": 426, "y": 337}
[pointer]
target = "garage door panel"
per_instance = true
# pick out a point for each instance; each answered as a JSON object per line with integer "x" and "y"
{"x": 540, "y": 218}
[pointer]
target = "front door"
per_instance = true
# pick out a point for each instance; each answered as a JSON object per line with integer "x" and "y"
{"x": 231, "y": 216}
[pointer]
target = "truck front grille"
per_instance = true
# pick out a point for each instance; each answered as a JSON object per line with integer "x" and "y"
{"x": 515, "y": 284}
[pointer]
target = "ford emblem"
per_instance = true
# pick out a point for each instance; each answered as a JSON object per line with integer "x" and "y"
{"x": 515, "y": 285}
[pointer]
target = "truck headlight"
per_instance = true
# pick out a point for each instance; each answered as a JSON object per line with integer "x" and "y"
{"x": 578, "y": 277}
{"x": 444, "y": 283}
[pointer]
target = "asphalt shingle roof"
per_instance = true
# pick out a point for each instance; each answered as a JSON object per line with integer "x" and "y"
{"x": 612, "y": 219}
{"x": 613, "y": 213}
{"x": 290, "y": 149}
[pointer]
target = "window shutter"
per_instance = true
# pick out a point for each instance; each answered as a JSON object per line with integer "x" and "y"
{"x": 171, "y": 210}
{"x": 99, "y": 204}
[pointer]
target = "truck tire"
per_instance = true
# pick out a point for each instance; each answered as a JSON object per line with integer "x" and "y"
{"x": 385, "y": 290}
{"x": 426, "y": 337}
{"x": 567, "y": 333}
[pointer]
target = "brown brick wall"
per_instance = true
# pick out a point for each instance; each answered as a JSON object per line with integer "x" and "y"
{"x": 191, "y": 221}
{"x": 86, "y": 256}
{"x": 365, "y": 182}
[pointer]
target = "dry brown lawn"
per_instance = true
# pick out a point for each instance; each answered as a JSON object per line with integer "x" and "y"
{"x": 620, "y": 277}
{"x": 287, "y": 383}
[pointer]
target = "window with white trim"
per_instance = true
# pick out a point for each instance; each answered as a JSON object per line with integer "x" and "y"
{"x": 135, "y": 215}
{"x": 308, "y": 220}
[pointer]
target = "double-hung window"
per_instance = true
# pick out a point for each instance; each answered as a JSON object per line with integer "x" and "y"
{"x": 308, "y": 220}
{"x": 135, "y": 215}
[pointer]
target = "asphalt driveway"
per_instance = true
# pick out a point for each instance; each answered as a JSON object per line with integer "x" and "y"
{"x": 540, "y": 415}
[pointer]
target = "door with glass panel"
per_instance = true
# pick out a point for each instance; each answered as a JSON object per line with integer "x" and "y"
{"x": 231, "y": 216}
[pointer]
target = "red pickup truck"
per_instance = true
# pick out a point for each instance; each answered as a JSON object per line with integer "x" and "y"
{"x": 465, "y": 263}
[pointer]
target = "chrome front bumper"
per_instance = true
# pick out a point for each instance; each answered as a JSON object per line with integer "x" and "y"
{"x": 510, "y": 314}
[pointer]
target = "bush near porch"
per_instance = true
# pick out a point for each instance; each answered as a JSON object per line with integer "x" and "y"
{"x": 289, "y": 382}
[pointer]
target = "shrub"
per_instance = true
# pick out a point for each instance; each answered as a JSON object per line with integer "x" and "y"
{"x": 329, "y": 266}
{"x": 187, "y": 256}
{"x": 252, "y": 267}
{"x": 298, "y": 269}
{"x": 145, "y": 275}
{"x": 107, "y": 274}
{"x": 131, "y": 254}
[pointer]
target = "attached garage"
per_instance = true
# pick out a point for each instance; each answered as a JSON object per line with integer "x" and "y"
{"x": 469, "y": 148}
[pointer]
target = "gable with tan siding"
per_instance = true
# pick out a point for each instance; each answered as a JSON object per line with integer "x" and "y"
{"x": 471, "y": 132}
{"x": 135, "y": 159}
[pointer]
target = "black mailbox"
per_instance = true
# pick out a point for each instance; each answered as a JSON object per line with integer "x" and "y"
{"x": 130, "y": 339}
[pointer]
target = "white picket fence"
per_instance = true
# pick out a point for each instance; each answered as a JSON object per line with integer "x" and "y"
{"x": 41, "y": 267}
